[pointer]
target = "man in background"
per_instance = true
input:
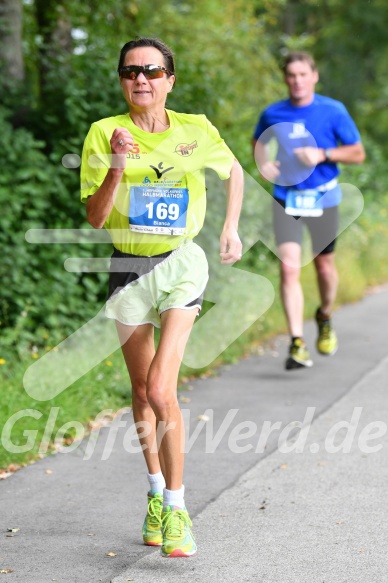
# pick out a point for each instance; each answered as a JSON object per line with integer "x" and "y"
{"x": 313, "y": 133}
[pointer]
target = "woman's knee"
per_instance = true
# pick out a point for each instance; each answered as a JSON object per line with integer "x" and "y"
{"x": 161, "y": 397}
{"x": 139, "y": 393}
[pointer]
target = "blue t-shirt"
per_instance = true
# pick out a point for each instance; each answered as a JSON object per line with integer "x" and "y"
{"x": 324, "y": 123}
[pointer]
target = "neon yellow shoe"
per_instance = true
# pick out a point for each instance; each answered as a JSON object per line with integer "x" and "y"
{"x": 327, "y": 342}
{"x": 152, "y": 527}
{"x": 298, "y": 356}
{"x": 178, "y": 540}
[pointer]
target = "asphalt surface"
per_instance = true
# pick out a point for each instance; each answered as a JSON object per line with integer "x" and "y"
{"x": 269, "y": 503}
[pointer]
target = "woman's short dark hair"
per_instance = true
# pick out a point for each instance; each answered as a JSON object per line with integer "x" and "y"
{"x": 298, "y": 56}
{"x": 167, "y": 53}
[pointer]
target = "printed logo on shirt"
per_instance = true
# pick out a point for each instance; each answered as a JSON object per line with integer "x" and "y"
{"x": 134, "y": 154}
{"x": 160, "y": 170}
{"x": 299, "y": 130}
{"x": 186, "y": 149}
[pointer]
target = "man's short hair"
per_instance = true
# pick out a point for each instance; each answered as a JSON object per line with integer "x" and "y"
{"x": 298, "y": 56}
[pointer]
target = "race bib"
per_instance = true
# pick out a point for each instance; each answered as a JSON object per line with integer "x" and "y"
{"x": 157, "y": 210}
{"x": 304, "y": 203}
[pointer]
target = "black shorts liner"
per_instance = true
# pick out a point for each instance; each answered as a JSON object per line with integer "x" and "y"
{"x": 126, "y": 268}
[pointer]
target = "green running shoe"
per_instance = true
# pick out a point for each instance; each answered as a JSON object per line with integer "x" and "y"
{"x": 298, "y": 356}
{"x": 178, "y": 540}
{"x": 327, "y": 342}
{"x": 152, "y": 527}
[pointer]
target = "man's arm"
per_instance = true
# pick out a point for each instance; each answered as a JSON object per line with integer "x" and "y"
{"x": 269, "y": 170}
{"x": 230, "y": 244}
{"x": 353, "y": 154}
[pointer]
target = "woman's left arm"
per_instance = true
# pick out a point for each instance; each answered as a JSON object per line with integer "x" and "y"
{"x": 230, "y": 244}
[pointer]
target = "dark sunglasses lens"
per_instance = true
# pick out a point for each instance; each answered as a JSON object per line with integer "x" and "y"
{"x": 132, "y": 72}
{"x": 153, "y": 73}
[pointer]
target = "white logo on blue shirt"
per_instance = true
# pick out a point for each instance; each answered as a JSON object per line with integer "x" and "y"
{"x": 299, "y": 130}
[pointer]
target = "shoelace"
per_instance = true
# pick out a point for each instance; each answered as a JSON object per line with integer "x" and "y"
{"x": 154, "y": 511}
{"x": 174, "y": 523}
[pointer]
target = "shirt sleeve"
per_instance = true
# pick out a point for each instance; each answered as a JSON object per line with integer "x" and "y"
{"x": 346, "y": 131}
{"x": 261, "y": 126}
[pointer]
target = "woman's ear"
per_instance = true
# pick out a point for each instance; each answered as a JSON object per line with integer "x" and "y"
{"x": 172, "y": 83}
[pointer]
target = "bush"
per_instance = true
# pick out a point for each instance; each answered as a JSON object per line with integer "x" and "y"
{"x": 38, "y": 294}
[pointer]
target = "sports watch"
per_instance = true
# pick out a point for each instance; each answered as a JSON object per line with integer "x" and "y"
{"x": 327, "y": 153}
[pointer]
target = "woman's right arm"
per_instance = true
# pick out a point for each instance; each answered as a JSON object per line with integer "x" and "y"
{"x": 100, "y": 204}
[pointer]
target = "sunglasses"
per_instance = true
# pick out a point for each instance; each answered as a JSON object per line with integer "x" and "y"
{"x": 149, "y": 71}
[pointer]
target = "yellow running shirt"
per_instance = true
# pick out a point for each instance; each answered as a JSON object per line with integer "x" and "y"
{"x": 161, "y": 200}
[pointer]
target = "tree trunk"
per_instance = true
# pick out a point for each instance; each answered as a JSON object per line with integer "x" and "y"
{"x": 55, "y": 30}
{"x": 289, "y": 18}
{"x": 11, "y": 56}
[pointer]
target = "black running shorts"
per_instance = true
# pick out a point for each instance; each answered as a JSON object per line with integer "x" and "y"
{"x": 323, "y": 229}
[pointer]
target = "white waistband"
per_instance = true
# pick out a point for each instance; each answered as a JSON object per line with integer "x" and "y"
{"x": 322, "y": 188}
{"x": 328, "y": 186}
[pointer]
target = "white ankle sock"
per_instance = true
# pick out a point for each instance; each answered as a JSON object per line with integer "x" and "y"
{"x": 174, "y": 497}
{"x": 157, "y": 482}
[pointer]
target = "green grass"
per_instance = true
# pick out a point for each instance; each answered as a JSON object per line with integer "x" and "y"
{"x": 362, "y": 254}
{"x": 104, "y": 387}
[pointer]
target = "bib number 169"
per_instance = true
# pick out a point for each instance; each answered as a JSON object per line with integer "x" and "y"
{"x": 162, "y": 211}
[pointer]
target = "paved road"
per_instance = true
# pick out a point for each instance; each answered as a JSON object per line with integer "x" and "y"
{"x": 260, "y": 513}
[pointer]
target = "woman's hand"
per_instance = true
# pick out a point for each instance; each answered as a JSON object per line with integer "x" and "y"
{"x": 121, "y": 143}
{"x": 230, "y": 245}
